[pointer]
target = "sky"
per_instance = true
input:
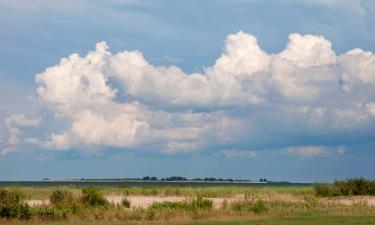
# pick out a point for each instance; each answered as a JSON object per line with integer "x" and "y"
{"x": 244, "y": 89}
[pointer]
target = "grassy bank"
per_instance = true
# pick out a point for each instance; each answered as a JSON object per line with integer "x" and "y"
{"x": 289, "y": 220}
{"x": 238, "y": 205}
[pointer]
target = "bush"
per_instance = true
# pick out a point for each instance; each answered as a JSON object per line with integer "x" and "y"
{"x": 93, "y": 197}
{"x": 61, "y": 198}
{"x": 192, "y": 205}
{"x": 11, "y": 205}
{"x": 20, "y": 211}
{"x": 355, "y": 186}
{"x": 10, "y": 197}
{"x": 10, "y": 210}
{"x": 323, "y": 189}
{"x": 125, "y": 203}
{"x": 50, "y": 213}
{"x": 25, "y": 212}
{"x": 168, "y": 205}
{"x": 257, "y": 207}
{"x": 201, "y": 203}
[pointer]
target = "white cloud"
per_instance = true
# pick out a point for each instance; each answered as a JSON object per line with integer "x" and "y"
{"x": 238, "y": 154}
{"x": 309, "y": 51}
{"x": 248, "y": 97}
{"x": 313, "y": 151}
{"x": 371, "y": 108}
{"x": 14, "y": 123}
{"x": 341, "y": 150}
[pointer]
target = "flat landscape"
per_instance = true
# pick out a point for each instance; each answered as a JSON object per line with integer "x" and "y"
{"x": 184, "y": 204}
{"x": 188, "y": 112}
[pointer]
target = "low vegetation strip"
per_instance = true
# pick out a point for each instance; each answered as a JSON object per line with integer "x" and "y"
{"x": 296, "y": 220}
{"x": 72, "y": 204}
{"x": 321, "y": 219}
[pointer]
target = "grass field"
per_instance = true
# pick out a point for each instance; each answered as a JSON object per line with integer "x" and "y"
{"x": 190, "y": 205}
{"x": 290, "y": 220}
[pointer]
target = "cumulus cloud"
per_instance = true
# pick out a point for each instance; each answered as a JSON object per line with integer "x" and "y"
{"x": 14, "y": 123}
{"x": 247, "y": 98}
{"x": 313, "y": 151}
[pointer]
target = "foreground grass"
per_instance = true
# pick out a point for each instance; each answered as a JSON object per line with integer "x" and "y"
{"x": 250, "y": 205}
{"x": 365, "y": 219}
{"x": 299, "y": 220}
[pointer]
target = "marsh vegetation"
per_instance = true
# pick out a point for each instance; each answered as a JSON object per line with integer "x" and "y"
{"x": 174, "y": 204}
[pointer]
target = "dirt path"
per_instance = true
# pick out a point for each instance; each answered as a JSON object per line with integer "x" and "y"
{"x": 146, "y": 201}
{"x": 142, "y": 201}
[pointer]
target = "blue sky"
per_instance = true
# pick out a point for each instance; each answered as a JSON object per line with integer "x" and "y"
{"x": 240, "y": 89}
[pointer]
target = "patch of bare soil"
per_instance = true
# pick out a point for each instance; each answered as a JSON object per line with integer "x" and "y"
{"x": 146, "y": 201}
{"x": 365, "y": 200}
{"x": 142, "y": 201}
{"x": 37, "y": 202}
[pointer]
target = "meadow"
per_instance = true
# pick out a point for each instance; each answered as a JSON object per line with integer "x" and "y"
{"x": 224, "y": 204}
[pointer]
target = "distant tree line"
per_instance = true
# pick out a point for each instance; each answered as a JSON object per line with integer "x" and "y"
{"x": 152, "y": 178}
{"x": 207, "y": 179}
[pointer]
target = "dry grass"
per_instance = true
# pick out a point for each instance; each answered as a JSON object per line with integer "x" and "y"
{"x": 279, "y": 201}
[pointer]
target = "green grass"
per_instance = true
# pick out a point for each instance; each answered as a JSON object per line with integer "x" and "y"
{"x": 291, "y": 220}
{"x": 251, "y": 205}
{"x": 298, "y": 220}
{"x": 215, "y": 191}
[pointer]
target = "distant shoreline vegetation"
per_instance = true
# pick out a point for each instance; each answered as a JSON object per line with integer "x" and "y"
{"x": 149, "y": 181}
{"x": 167, "y": 179}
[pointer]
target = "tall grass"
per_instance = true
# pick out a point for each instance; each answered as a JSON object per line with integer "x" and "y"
{"x": 11, "y": 205}
{"x": 88, "y": 204}
{"x": 355, "y": 186}
{"x": 92, "y": 196}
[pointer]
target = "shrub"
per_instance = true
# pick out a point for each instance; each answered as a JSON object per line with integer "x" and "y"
{"x": 93, "y": 197}
{"x": 256, "y": 207}
{"x": 150, "y": 213}
{"x": 323, "y": 189}
{"x": 259, "y": 207}
{"x": 25, "y": 212}
{"x": 49, "y": 213}
{"x": 125, "y": 203}
{"x": 192, "y": 205}
{"x": 168, "y": 205}
{"x": 10, "y": 210}
{"x": 355, "y": 186}
{"x": 61, "y": 198}
{"x": 10, "y": 197}
{"x": 201, "y": 203}
{"x": 11, "y": 205}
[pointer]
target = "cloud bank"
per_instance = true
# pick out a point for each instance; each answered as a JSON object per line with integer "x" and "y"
{"x": 247, "y": 99}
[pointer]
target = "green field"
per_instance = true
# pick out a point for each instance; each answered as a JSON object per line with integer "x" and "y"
{"x": 266, "y": 205}
{"x": 291, "y": 220}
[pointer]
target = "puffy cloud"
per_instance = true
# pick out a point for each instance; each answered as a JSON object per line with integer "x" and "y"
{"x": 14, "y": 123}
{"x": 309, "y": 51}
{"x": 313, "y": 151}
{"x": 247, "y": 98}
